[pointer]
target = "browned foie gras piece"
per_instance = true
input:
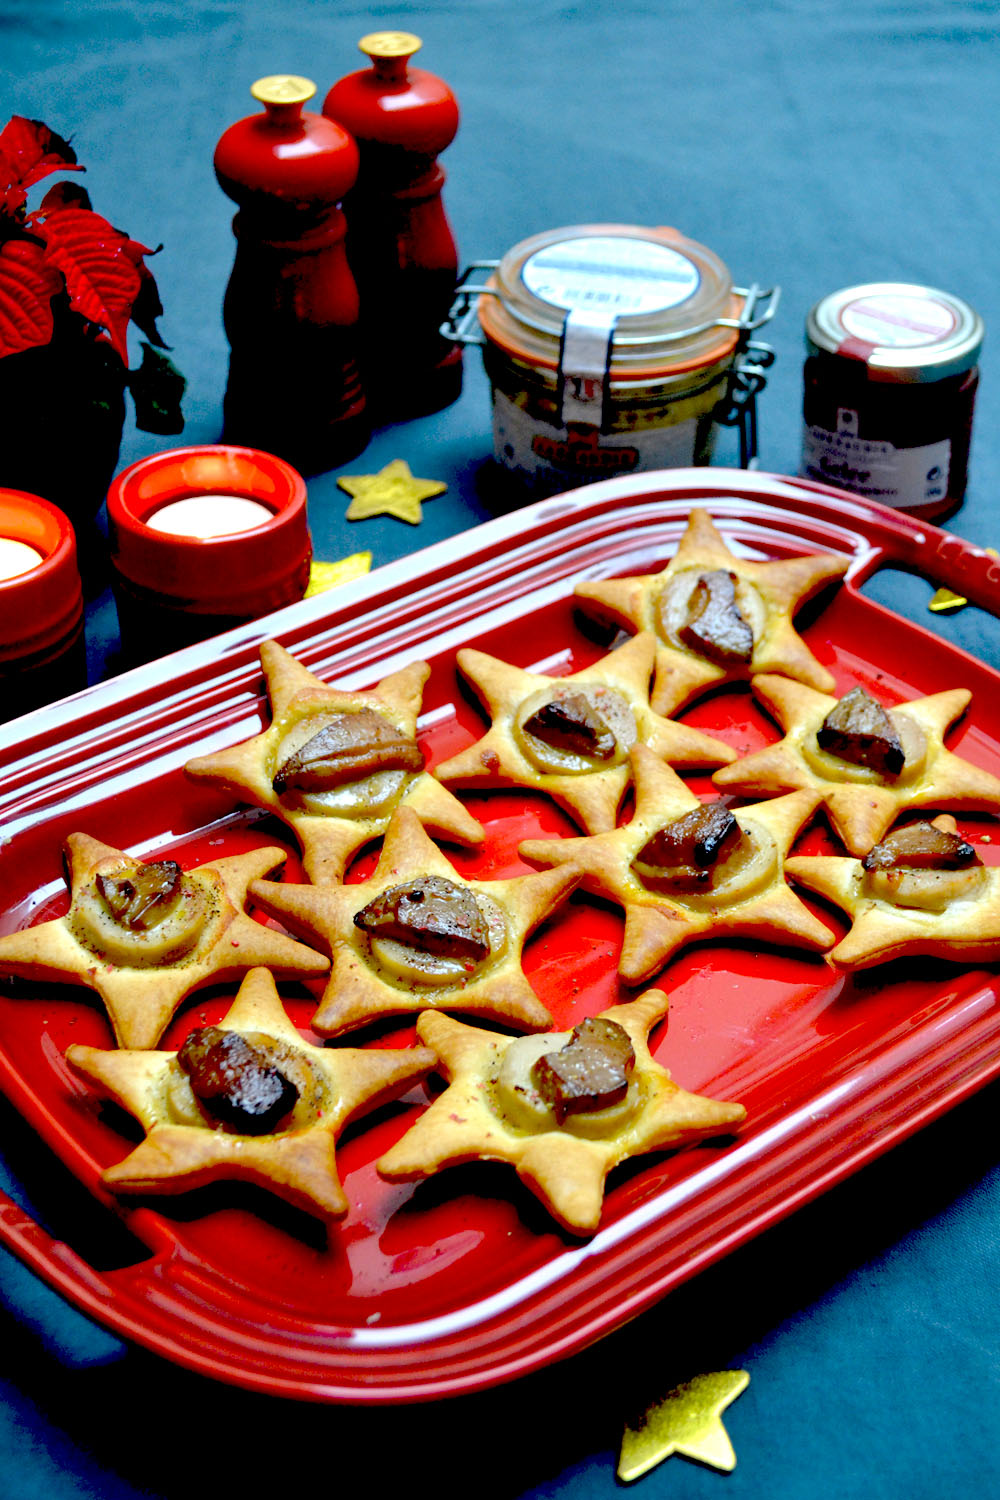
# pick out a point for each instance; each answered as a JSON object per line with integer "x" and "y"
{"x": 349, "y": 747}
{"x": 432, "y": 914}
{"x": 139, "y": 899}
{"x": 714, "y": 626}
{"x": 235, "y": 1081}
{"x": 921, "y": 846}
{"x": 859, "y": 730}
{"x": 571, "y": 723}
{"x": 689, "y": 848}
{"x": 590, "y": 1072}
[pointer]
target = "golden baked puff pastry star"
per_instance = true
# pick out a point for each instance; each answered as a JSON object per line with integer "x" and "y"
{"x": 868, "y": 763}
{"x": 415, "y": 935}
{"x": 717, "y": 617}
{"x": 145, "y": 934}
{"x": 334, "y": 765}
{"x": 570, "y": 737}
{"x": 562, "y": 1108}
{"x": 684, "y": 870}
{"x": 922, "y": 890}
{"x": 247, "y": 1100}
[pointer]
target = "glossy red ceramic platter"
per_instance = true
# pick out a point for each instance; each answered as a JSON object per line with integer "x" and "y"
{"x": 448, "y": 1286}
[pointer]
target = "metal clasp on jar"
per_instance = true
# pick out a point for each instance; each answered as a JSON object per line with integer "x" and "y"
{"x": 751, "y": 357}
{"x": 751, "y": 360}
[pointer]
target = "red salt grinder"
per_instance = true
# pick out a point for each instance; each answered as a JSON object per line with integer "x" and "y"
{"x": 291, "y": 306}
{"x": 400, "y": 244}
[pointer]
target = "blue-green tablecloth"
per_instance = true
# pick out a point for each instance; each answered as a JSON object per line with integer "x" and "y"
{"x": 810, "y": 145}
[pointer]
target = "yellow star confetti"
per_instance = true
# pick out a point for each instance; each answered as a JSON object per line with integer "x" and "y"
{"x": 945, "y": 600}
{"x": 183, "y": 1147}
{"x": 688, "y": 1421}
{"x": 393, "y": 491}
{"x": 329, "y": 575}
{"x": 767, "y": 596}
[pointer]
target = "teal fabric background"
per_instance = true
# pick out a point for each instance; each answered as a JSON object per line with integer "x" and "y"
{"x": 810, "y": 145}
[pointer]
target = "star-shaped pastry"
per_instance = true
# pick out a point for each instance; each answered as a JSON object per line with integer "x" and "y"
{"x": 951, "y": 914}
{"x": 862, "y": 802}
{"x": 492, "y": 1110}
{"x": 748, "y": 897}
{"x": 766, "y": 596}
{"x": 332, "y": 821}
{"x": 174, "y": 932}
{"x": 375, "y": 973}
{"x": 190, "y": 1143}
{"x": 393, "y": 491}
{"x": 613, "y": 695}
{"x": 688, "y": 1421}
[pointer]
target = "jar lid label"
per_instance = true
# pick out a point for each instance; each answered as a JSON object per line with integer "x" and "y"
{"x": 894, "y": 321}
{"x": 619, "y": 275}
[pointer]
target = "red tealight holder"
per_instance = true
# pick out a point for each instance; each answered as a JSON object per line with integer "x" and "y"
{"x": 41, "y": 608}
{"x": 174, "y": 587}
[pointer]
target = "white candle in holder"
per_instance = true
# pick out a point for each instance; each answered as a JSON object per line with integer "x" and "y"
{"x": 17, "y": 558}
{"x": 209, "y": 515}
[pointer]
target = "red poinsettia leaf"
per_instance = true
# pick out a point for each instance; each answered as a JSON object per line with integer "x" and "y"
{"x": 135, "y": 250}
{"x": 147, "y": 306}
{"x": 27, "y": 286}
{"x": 29, "y": 151}
{"x": 66, "y": 195}
{"x": 101, "y": 276}
{"x": 12, "y": 197}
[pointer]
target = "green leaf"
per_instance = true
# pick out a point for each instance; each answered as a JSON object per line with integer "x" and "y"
{"x": 157, "y": 387}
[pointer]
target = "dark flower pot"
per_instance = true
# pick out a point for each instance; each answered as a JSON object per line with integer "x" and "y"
{"x": 62, "y": 411}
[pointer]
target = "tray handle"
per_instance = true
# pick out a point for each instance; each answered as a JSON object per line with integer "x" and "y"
{"x": 109, "y": 1298}
{"x": 918, "y": 547}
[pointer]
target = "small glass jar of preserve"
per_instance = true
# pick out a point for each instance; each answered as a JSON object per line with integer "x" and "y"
{"x": 890, "y": 385}
{"x": 613, "y": 349}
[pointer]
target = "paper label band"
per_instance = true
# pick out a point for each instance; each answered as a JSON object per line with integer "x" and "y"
{"x": 547, "y": 457}
{"x": 584, "y": 359}
{"x": 901, "y": 477}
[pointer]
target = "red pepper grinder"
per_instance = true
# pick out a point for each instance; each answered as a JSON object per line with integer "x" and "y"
{"x": 291, "y": 307}
{"x": 400, "y": 244}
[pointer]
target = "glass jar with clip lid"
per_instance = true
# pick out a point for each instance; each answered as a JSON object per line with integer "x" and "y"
{"x": 611, "y": 349}
{"x": 890, "y": 383}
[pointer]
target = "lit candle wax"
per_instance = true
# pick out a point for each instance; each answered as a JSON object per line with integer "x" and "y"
{"x": 17, "y": 558}
{"x": 209, "y": 515}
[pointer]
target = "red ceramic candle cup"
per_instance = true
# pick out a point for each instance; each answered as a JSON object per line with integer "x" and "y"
{"x": 41, "y": 609}
{"x": 174, "y": 589}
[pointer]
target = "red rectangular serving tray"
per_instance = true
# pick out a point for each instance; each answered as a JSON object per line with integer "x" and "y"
{"x": 456, "y": 1284}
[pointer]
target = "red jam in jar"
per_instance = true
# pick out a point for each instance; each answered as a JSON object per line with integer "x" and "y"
{"x": 890, "y": 386}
